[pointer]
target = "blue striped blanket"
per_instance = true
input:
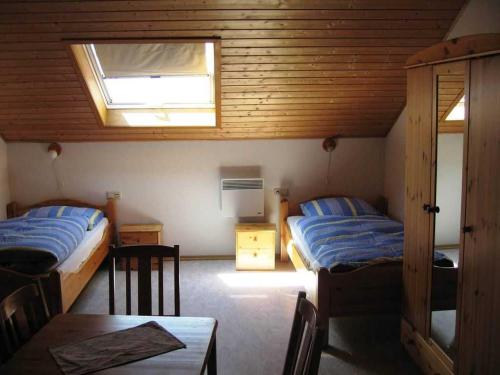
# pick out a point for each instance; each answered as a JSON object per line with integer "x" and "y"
{"x": 352, "y": 241}
{"x": 38, "y": 245}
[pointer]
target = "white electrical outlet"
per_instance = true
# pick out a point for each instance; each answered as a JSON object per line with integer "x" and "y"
{"x": 282, "y": 192}
{"x": 113, "y": 195}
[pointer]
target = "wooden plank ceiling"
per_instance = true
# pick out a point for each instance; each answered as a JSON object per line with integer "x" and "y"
{"x": 450, "y": 91}
{"x": 290, "y": 68}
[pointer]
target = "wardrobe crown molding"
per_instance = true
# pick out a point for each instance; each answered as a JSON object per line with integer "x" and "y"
{"x": 456, "y": 49}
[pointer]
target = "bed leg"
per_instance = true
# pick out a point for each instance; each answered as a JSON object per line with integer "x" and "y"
{"x": 324, "y": 303}
{"x": 326, "y": 330}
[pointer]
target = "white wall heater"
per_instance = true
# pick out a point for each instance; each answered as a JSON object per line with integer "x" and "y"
{"x": 242, "y": 197}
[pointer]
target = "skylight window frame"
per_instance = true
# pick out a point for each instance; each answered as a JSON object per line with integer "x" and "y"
{"x": 96, "y": 65}
{"x": 99, "y": 73}
{"x": 112, "y": 117}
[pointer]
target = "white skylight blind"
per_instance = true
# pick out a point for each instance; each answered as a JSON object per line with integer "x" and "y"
{"x": 142, "y": 60}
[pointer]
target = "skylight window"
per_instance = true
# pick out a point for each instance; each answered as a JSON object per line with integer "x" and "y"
{"x": 171, "y": 84}
{"x": 175, "y": 75}
{"x": 458, "y": 112}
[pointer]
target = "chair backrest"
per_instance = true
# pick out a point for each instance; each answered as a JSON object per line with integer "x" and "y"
{"x": 22, "y": 314}
{"x": 304, "y": 348}
{"x": 144, "y": 255}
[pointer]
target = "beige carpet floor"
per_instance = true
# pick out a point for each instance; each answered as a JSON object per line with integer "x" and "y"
{"x": 254, "y": 311}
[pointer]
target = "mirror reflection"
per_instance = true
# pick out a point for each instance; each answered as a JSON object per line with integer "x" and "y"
{"x": 449, "y": 155}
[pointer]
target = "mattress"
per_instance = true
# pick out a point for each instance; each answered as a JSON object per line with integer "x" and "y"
{"x": 80, "y": 255}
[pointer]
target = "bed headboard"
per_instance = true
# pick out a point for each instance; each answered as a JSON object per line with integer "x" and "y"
{"x": 109, "y": 209}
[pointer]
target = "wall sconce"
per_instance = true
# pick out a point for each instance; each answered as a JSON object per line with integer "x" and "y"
{"x": 329, "y": 144}
{"x": 54, "y": 150}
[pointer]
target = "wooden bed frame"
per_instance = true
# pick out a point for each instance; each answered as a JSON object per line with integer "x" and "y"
{"x": 368, "y": 290}
{"x": 61, "y": 289}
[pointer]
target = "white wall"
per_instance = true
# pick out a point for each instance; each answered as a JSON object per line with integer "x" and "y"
{"x": 176, "y": 183}
{"x": 394, "y": 190}
{"x": 4, "y": 181}
{"x": 479, "y": 16}
{"x": 449, "y": 188}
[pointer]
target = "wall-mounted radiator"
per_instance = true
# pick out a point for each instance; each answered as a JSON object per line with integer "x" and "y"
{"x": 241, "y": 197}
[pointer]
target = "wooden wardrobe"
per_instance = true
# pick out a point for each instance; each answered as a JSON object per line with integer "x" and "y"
{"x": 435, "y": 77}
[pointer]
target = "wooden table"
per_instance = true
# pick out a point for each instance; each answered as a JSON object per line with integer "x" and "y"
{"x": 197, "y": 333}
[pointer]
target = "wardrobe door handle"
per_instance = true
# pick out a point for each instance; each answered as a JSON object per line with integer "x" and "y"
{"x": 429, "y": 209}
{"x": 467, "y": 229}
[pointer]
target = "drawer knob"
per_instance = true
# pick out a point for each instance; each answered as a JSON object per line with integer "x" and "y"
{"x": 255, "y": 254}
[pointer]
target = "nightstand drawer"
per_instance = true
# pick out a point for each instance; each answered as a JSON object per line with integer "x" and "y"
{"x": 140, "y": 234}
{"x": 256, "y": 259}
{"x": 144, "y": 238}
{"x": 255, "y": 246}
{"x": 255, "y": 239}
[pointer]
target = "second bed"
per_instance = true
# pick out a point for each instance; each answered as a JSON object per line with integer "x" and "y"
{"x": 62, "y": 274}
{"x": 351, "y": 261}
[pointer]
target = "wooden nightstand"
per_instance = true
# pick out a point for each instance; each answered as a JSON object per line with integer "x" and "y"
{"x": 255, "y": 246}
{"x": 141, "y": 234}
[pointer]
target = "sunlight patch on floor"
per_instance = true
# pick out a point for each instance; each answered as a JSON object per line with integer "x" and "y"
{"x": 248, "y": 296}
{"x": 261, "y": 279}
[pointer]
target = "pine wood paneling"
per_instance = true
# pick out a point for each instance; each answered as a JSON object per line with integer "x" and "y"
{"x": 290, "y": 68}
{"x": 269, "y": 14}
{"x": 423, "y": 351}
{"x": 479, "y": 325}
{"x": 99, "y": 6}
{"x": 417, "y": 255}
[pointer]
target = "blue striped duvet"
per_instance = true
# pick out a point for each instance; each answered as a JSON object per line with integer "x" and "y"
{"x": 351, "y": 240}
{"x": 37, "y": 245}
{"x": 345, "y": 242}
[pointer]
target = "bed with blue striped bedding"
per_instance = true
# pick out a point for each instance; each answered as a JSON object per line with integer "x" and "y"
{"x": 38, "y": 245}
{"x": 345, "y": 242}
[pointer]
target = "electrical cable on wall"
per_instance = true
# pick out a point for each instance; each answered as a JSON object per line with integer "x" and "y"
{"x": 59, "y": 185}
{"x": 328, "y": 170}
{"x": 55, "y": 151}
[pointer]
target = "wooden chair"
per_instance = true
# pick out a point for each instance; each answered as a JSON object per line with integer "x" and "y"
{"x": 304, "y": 348}
{"x": 22, "y": 314}
{"x": 144, "y": 255}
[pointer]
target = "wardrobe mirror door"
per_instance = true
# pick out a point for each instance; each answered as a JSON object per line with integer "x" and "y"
{"x": 449, "y": 125}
